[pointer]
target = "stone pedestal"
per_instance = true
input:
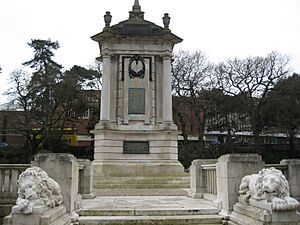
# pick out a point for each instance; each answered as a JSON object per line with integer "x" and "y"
{"x": 63, "y": 168}
{"x": 39, "y": 216}
{"x": 293, "y": 176}
{"x": 86, "y": 178}
{"x": 231, "y": 168}
{"x": 260, "y": 213}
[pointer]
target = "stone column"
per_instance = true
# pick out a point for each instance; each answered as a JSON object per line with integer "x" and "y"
{"x": 231, "y": 168}
{"x": 293, "y": 176}
{"x": 105, "y": 93}
{"x": 166, "y": 92}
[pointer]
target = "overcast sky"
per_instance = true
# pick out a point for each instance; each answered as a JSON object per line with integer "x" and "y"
{"x": 220, "y": 28}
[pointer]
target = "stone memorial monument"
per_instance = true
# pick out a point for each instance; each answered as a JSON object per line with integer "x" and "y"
{"x": 136, "y": 136}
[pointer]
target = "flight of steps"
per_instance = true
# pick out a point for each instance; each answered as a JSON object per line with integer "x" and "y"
{"x": 140, "y": 185}
{"x": 156, "y": 216}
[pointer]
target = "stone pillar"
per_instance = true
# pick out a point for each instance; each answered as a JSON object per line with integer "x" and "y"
{"x": 197, "y": 179}
{"x": 63, "y": 168}
{"x": 231, "y": 168}
{"x": 167, "y": 93}
{"x": 293, "y": 176}
{"x": 86, "y": 178}
{"x": 105, "y": 93}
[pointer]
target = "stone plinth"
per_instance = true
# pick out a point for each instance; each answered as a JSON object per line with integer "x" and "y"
{"x": 293, "y": 176}
{"x": 40, "y": 215}
{"x": 86, "y": 178}
{"x": 231, "y": 168}
{"x": 109, "y": 144}
{"x": 63, "y": 168}
{"x": 260, "y": 213}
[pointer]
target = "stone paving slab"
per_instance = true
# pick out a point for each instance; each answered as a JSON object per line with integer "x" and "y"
{"x": 146, "y": 203}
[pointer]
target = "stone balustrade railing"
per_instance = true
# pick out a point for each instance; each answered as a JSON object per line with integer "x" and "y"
{"x": 9, "y": 174}
{"x": 210, "y": 176}
{"x": 219, "y": 180}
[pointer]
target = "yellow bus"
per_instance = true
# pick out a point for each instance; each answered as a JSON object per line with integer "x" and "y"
{"x": 69, "y": 135}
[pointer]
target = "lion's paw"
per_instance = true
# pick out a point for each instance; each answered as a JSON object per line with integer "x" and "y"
{"x": 22, "y": 204}
{"x": 278, "y": 204}
{"x": 292, "y": 203}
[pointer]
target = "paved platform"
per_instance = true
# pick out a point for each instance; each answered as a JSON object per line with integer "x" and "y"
{"x": 148, "y": 210}
{"x": 136, "y": 204}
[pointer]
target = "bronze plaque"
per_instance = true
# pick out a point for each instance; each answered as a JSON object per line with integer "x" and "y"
{"x": 136, "y": 147}
{"x": 136, "y": 101}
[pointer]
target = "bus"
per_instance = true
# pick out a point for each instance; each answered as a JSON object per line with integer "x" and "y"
{"x": 69, "y": 135}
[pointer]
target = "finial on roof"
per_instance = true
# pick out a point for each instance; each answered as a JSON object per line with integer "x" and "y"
{"x": 166, "y": 20}
{"x": 107, "y": 19}
{"x": 136, "y": 5}
{"x": 136, "y": 11}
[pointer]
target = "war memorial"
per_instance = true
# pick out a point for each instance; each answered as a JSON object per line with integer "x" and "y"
{"x": 135, "y": 177}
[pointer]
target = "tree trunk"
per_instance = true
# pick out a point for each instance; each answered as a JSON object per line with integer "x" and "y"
{"x": 291, "y": 138}
{"x": 228, "y": 128}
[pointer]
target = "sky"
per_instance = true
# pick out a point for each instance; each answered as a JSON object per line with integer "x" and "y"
{"x": 222, "y": 29}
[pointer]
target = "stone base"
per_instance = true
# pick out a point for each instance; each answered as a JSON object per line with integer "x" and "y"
{"x": 109, "y": 144}
{"x": 39, "y": 216}
{"x": 122, "y": 175}
{"x": 246, "y": 214}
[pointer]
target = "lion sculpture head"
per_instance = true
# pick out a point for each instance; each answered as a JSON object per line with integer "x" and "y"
{"x": 36, "y": 188}
{"x": 269, "y": 185}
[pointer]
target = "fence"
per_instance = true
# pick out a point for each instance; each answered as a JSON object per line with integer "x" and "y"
{"x": 210, "y": 176}
{"x": 9, "y": 174}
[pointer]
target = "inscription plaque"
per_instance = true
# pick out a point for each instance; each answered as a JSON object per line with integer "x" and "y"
{"x": 136, "y": 147}
{"x": 136, "y": 101}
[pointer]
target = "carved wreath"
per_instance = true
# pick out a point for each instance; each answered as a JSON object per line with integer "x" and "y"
{"x": 136, "y": 73}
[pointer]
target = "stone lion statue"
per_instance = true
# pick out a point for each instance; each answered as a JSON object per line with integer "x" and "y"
{"x": 36, "y": 188}
{"x": 270, "y": 185}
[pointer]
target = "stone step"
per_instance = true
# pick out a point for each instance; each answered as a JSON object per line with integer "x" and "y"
{"x": 139, "y": 186}
{"x": 149, "y": 212}
{"x": 150, "y": 220}
{"x": 141, "y": 192}
{"x": 139, "y": 180}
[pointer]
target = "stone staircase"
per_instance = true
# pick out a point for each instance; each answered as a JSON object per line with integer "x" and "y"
{"x": 140, "y": 210}
{"x": 140, "y": 185}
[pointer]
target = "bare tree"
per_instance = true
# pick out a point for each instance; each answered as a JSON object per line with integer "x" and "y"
{"x": 22, "y": 97}
{"x": 191, "y": 72}
{"x": 190, "y": 78}
{"x": 251, "y": 78}
{"x": 95, "y": 79}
